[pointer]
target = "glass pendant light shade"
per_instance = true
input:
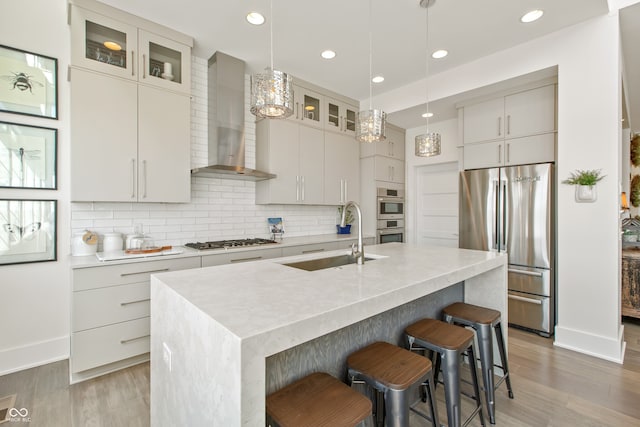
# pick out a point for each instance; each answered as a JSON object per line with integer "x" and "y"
{"x": 428, "y": 144}
{"x": 371, "y": 126}
{"x": 271, "y": 94}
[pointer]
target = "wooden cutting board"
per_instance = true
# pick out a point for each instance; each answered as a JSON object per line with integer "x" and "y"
{"x": 147, "y": 250}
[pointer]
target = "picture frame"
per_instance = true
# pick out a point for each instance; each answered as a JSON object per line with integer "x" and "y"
{"x": 276, "y": 227}
{"x": 28, "y": 83}
{"x": 28, "y": 231}
{"x": 28, "y": 156}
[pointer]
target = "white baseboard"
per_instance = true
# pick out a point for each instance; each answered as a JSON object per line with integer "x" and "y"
{"x": 603, "y": 347}
{"x": 32, "y": 355}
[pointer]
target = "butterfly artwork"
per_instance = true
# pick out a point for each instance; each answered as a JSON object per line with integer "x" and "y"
{"x": 18, "y": 233}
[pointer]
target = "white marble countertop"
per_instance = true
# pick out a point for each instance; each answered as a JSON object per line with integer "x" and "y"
{"x": 87, "y": 261}
{"x": 220, "y": 323}
{"x": 278, "y": 296}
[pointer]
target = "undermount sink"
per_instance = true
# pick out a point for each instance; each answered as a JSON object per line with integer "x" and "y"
{"x": 329, "y": 262}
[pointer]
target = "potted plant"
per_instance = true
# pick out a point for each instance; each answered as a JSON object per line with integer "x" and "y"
{"x": 348, "y": 220}
{"x": 585, "y": 182}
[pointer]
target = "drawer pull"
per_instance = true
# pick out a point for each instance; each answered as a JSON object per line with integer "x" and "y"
{"x": 523, "y": 299}
{"x": 246, "y": 259}
{"x": 525, "y": 272}
{"x": 144, "y": 272}
{"x": 312, "y": 251}
{"x": 123, "y": 304}
{"x": 133, "y": 339}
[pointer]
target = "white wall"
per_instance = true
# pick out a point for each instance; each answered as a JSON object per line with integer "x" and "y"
{"x": 588, "y": 255}
{"x": 34, "y": 319}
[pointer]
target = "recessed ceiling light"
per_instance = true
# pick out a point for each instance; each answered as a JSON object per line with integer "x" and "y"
{"x": 328, "y": 54}
{"x": 112, "y": 45}
{"x": 377, "y": 79}
{"x": 438, "y": 54}
{"x": 425, "y": 115}
{"x": 255, "y": 18}
{"x": 531, "y": 16}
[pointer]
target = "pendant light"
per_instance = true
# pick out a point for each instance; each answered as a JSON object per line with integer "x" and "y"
{"x": 271, "y": 91}
{"x": 427, "y": 144}
{"x": 371, "y": 123}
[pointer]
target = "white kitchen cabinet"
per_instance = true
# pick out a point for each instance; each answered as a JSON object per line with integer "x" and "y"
{"x": 525, "y": 113}
{"x": 510, "y": 152}
{"x": 308, "y": 107}
{"x": 110, "y": 41}
{"x": 295, "y": 153}
{"x": 110, "y": 315}
{"x": 129, "y": 142}
{"x": 389, "y": 169}
{"x": 341, "y": 169}
{"x": 392, "y": 146}
{"x": 340, "y": 117}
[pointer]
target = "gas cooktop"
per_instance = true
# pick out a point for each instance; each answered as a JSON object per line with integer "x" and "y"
{"x": 225, "y": 244}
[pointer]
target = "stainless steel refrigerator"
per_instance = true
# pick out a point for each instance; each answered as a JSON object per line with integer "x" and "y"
{"x": 511, "y": 209}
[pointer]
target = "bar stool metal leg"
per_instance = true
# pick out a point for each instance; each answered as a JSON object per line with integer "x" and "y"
{"x": 485, "y": 350}
{"x": 503, "y": 358}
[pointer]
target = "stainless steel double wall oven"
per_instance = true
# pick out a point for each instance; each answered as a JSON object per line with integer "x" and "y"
{"x": 390, "y": 215}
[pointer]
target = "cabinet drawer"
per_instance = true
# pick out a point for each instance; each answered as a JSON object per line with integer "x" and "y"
{"x": 122, "y": 274}
{"x": 309, "y": 249}
{"x": 106, "y": 306}
{"x": 97, "y": 347}
{"x": 244, "y": 256}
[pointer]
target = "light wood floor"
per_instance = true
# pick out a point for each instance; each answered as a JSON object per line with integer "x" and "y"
{"x": 552, "y": 386}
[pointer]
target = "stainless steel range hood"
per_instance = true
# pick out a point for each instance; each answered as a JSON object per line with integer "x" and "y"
{"x": 226, "y": 121}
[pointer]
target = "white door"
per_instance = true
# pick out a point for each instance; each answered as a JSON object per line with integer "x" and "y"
{"x": 437, "y": 205}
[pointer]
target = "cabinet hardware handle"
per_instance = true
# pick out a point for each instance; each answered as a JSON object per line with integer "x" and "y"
{"x": 123, "y": 304}
{"x": 341, "y": 123}
{"x": 297, "y": 109}
{"x": 523, "y": 299}
{"x": 391, "y": 148}
{"x": 133, "y": 178}
{"x": 144, "y": 66}
{"x": 499, "y": 153}
{"x": 144, "y": 179}
{"x": 341, "y": 191}
{"x": 246, "y": 259}
{"x": 302, "y": 185}
{"x": 297, "y": 188}
{"x": 509, "y": 124}
{"x": 133, "y": 57}
{"x": 133, "y": 339}
{"x": 508, "y": 151}
{"x": 312, "y": 251}
{"x": 499, "y": 126}
{"x": 160, "y": 270}
{"x": 525, "y": 272}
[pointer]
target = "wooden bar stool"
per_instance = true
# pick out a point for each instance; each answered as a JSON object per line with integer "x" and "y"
{"x": 448, "y": 342}
{"x": 317, "y": 400}
{"x": 483, "y": 320}
{"x": 393, "y": 370}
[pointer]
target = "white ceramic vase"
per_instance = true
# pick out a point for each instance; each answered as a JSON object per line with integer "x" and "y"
{"x": 586, "y": 193}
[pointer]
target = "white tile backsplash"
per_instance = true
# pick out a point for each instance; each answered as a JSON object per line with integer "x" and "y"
{"x": 219, "y": 208}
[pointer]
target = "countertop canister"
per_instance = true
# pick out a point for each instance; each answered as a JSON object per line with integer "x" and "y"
{"x": 112, "y": 242}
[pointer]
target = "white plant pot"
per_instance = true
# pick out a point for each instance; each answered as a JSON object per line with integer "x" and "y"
{"x": 586, "y": 193}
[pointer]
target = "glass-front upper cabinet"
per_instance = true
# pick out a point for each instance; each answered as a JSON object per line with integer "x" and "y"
{"x": 308, "y": 108}
{"x": 121, "y": 49}
{"x": 164, "y": 62}
{"x": 103, "y": 44}
{"x": 341, "y": 117}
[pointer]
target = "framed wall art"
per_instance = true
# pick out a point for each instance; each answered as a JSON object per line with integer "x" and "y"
{"x": 28, "y": 83}
{"x": 27, "y": 231}
{"x": 27, "y": 156}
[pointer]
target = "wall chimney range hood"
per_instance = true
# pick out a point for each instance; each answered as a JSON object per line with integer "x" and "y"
{"x": 226, "y": 122}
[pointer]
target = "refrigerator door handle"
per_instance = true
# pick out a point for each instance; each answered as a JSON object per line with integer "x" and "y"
{"x": 496, "y": 243}
{"x": 523, "y": 299}
{"x": 504, "y": 216}
{"x": 525, "y": 272}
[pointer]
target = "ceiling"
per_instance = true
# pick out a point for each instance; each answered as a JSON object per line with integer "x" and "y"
{"x": 468, "y": 29}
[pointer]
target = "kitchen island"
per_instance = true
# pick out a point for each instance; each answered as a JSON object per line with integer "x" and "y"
{"x": 223, "y": 337}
